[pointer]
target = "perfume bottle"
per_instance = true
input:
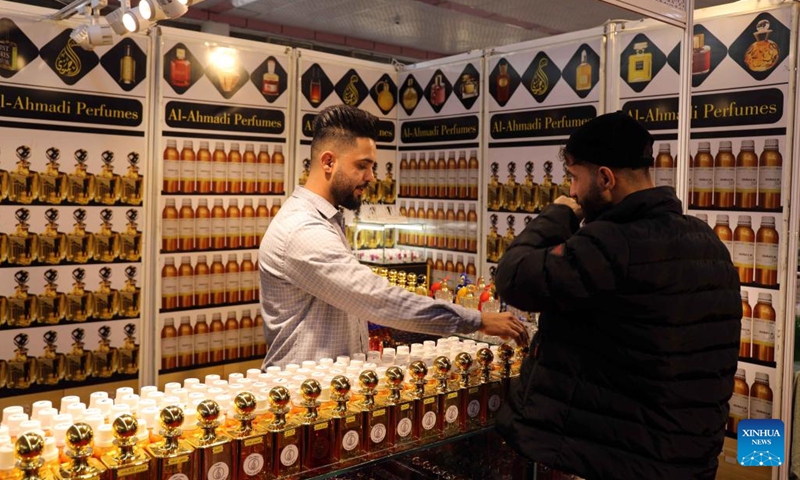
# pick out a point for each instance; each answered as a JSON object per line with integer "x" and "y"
{"x": 401, "y": 410}
{"x": 770, "y": 175}
{"x": 346, "y": 422}
{"x": 249, "y": 169}
{"x": 315, "y": 87}
{"x": 375, "y": 416}
{"x": 762, "y": 54}
{"x": 52, "y": 243}
{"x": 23, "y": 182}
{"x": 28, "y": 450}
{"x": 472, "y": 407}
{"x": 132, "y": 182}
{"x": 425, "y": 404}
{"x": 583, "y": 74}
{"x": 173, "y": 458}
{"x": 410, "y": 97}
{"x": 270, "y": 82}
{"x": 502, "y": 83}
{"x": 640, "y": 64}
{"x": 387, "y": 186}
{"x": 180, "y": 72}
{"x": 128, "y": 460}
{"x": 81, "y": 183}
{"x": 187, "y": 168}
{"x": 21, "y": 305}
{"x": 566, "y": 183}
{"x": 449, "y": 398}
{"x": 52, "y": 182}
{"x": 491, "y": 387}
{"x": 127, "y": 67}
{"x": 493, "y": 241}
{"x": 494, "y": 192}
{"x": 529, "y": 191}
{"x": 51, "y": 304}
{"x": 108, "y": 185}
{"x": 129, "y": 352}
{"x": 23, "y": 246}
{"x": 283, "y": 440}
{"x": 79, "y": 360}
{"x": 508, "y": 237}
{"x": 80, "y": 244}
{"x": 213, "y": 450}
{"x": 106, "y": 357}
{"x": 701, "y": 55}
{"x": 83, "y": 465}
{"x": 130, "y": 295}
{"x": 8, "y": 53}
{"x": 249, "y": 444}
{"x": 51, "y": 365}
{"x": 130, "y": 240}
{"x": 278, "y": 171}
{"x": 79, "y": 301}
{"x": 512, "y": 195}
{"x": 21, "y": 368}
{"x": 318, "y": 433}
{"x": 3, "y": 248}
{"x": 106, "y": 241}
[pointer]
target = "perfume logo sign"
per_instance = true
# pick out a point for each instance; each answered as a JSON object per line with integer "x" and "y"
{"x": 69, "y": 107}
{"x": 540, "y": 123}
{"x": 444, "y": 130}
{"x": 216, "y": 117}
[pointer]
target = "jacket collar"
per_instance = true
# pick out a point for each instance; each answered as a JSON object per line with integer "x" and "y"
{"x": 646, "y": 202}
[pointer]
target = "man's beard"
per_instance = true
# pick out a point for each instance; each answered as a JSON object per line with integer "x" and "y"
{"x": 593, "y": 204}
{"x": 343, "y": 193}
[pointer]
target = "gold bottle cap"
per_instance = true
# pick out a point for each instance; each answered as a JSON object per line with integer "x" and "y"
{"x": 310, "y": 390}
{"x": 340, "y": 385}
{"x": 505, "y": 352}
{"x": 485, "y": 357}
{"x": 245, "y": 403}
{"x": 464, "y": 361}
{"x": 79, "y": 436}
{"x": 207, "y": 412}
{"x": 418, "y": 371}
{"x": 442, "y": 366}
{"x": 368, "y": 380}
{"x": 395, "y": 376}
{"x": 125, "y": 427}
{"x": 171, "y": 417}
{"x": 279, "y": 397}
{"x": 29, "y": 446}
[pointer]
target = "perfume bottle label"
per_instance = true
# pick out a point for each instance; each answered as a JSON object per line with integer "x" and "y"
{"x": 763, "y": 332}
{"x": 350, "y": 439}
{"x": 235, "y": 171}
{"x": 218, "y": 471}
{"x": 429, "y": 420}
{"x": 703, "y": 179}
{"x": 218, "y": 282}
{"x": 277, "y": 172}
{"x": 217, "y": 341}
{"x": 186, "y": 228}
{"x": 665, "y": 177}
{"x": 746, "y": 179}
{"x": 724, "y": 179}
{"x": 201, "y": 342}
{"x": 738, "y": 404}
{"x": 743, "y": 254}
{"x": 202, "y": 284}
{"x": 494, "y": 402}
{"x": 262, "y": 223}
{"x": 169, "y": 228}
{"x": 760, "y": 408}
{"x": 218, "y": 227}
{"x": 264, "y": 172}
{"x": 767, "y": 256}
{"x": 474, "y": 408}
{"x": 451, "y": 414}
{"x": 204, "y": 170}
{"x": 253, "y": 464}
{"x": 378, "y": 433}
{"x": 289, "y": 455}
{"x": 250, "y": 171}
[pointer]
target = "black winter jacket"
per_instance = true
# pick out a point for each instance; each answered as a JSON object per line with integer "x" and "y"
{"x": 630, "y": 373}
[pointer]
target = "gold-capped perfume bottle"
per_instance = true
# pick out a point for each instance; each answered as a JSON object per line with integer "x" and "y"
{"x": 491, "y": 387}
{"x": 22, "y": 309}
{"x": 509, "y": 235}
{"x": 449, "y": 399}
{"x": 284, "y": 439}
{"x": 81, "y": 183}
{"x": 387, "y": 186}
{"x": 23, "y": 246}
{"x": 106, "y": 357}
{"x": 52, "y": 243}
{"x": 129, "y": 352}
{"x": 106, "y": 299}
{"x": 106, "y": 240}
{"x": 79, "y": 360}
{"x": 130, "y": 240}
{"x": 317, "y": 431}
{"x": 108, "y": 185}
{"x": 28, "y": 450}
{"x": 80, "y": 243}
{"x": 51, "y": 365}
{"x": 493, "y": 241}
{"x": 3, "y": 184}
{"x": 471, "y": 395}
{"x": 127, "y": 461}
{"x": 512, "y": 195}
{"x": 173, "y": 458}
{"x": 529, "y": 191}
{"x": 548, "y": 191}
{"x": 375, "y": 415}
{"x": 83, "y": 466}
{"x": 249, "y": 444}
{"x": 21, "y": 368}
{"x": 566, "y": 183}
{"x": 52, "y": 182}
{"x": 23, "y": 182}
{"x": 494, "y": 192}
{"x": 425, "y": 404}
{"x": 79, "y": 300}
{"x": 346, "y": 422}
{"x": 401, "y": 409}
{"x": 130, "y": 295}
{"x": 640, "y": 64}
{"x": 132, "y": 182}
{"x": 213, "y": 450}
{"x": 3, "y": 247}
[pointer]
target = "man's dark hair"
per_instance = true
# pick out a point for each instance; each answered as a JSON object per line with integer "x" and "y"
{"x": 342, "y": 123}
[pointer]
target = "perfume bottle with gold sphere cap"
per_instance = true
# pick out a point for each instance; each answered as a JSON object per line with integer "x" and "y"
{"x": 51, "y": 365}
{"x": 401, "y": 409}
{"x": 52, "y": 243}
{"x": 130, "y": 295}
{"x": 106, "y": 357}
{"x": 22, "y": 306}
{"x": 213, "y": 450}
{"x": 173, "y": 458}
{"x": 28, "y": 450}
{"x": 317, "y": 431}
{"x": 472, "y": 407}
{"x": 506, "y": 354}
{"x": 23, "y": 182}
{"x": 346, "y": 422}
{"x": 23, "y": 246}
{"x": 108, "y": 185}
{"x": 375, "y": 416}
{"x": 80, "y": 243}
{"x": 106, "y": 299}
{"x": 449, "y": 399}
{"x": 491, "y": 387}
{"x": 106, "y": 240}
{"x": 79, "y": 360}
{"x": 21, "y": 368}
{"x": 131, "y": 238}
{"x": 129, "y": 352}
{"x": 83, "y": 466}
{"x": 249, "y": 444}
{"x": 132, "y": 182}
{"x": 425, "y": 404}
{"x": 52, "y": 181}
{"x": 284, "y": 440}
{"x": 127, "y": 460}
{"x": 80, "y": 187}
{"x": 51, "y": 304}
{"x": 80, "y": 303}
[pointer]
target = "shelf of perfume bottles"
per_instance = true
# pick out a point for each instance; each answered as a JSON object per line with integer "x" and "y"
{"x": 455, "y": 178}
{"x": 219, "y": 363}
{"x": 210, "y": 305}
{"x": 67, "y": 384}
{"x": 38, "y": 324}
{"x": 754, "y": 401}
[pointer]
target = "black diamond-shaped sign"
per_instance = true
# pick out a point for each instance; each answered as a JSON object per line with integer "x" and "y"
{"x": 270, "y": 79}
{"x": 126, "y": 63}
{"x": 228, "y": 81}
{"x": 503, "y": 82}
{"x": 762, "y": 46}
{"x": 351, "y": 89}
{"x": 315, "y": 85}
{"x": 384, "y": 94}
{"x": 409, "y": 95}
{"x": 540, "y": 77}
{"x": 438, "y": 91}
{"x": 582, "y": 72}
{"x": 181, "y": 68}
{"x": 16, "y": 49}
{"x": 639, "y": 66}
{"x": 67, "y": 59}
{"x": 705, "y": 58}
{"x": 467, "y": 86}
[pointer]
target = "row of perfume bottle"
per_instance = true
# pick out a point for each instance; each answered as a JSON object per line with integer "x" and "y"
{"x": 497, "y": 245}
{"x": 528, "y": 196}
{"x": 204, "y": 285}
{"x": 52, "y": 186}
{"x": 743, "y": 181}
{"x": 202, "y": 343}
{"x": 758, "y": 328}
{"x": 754, "y": 254}
{"x": 217, "y": 228}
{"x": 206, "y": 171}
{"x": 746, "y": 402}
{"x": 180, "y": 75}
{"x": 388, "y": 255}
{"x": 454, "y": 178}
{"x": 53, "y": 367}
{"x": 451, "y": 229}
{"x": 378, "y": 191}
{"x": 441, "y": 269}
{"x": 52, "y": 246}
{"x": 51, "y": 307}
{"x": 406, "y": 280}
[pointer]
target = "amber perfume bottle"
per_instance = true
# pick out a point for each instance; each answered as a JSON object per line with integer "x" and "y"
{"x": 425, "y": 404}
{"x": 346, "y": 422}
{"x": 724, "y": 176}
{"x": 259, "y": 337}
{"x": 202, "y": 282}
{"x": 283, "y": 440}
{"x": 318, "y": 432}
{"x": 79, "y": 300}
{"x": 52, "y": 182}
{"x": 249, "y": 278}
{"x": 128, "y": 460}
{"x": 449, "y": 399}
{"x": 278, "y": 169}
{"x": 219, "y": 226}
{"x": 764, "y": 328}
{"x": 762, "y": 54}
{"x": 29, "y": 450}
{"x": 106, "y": 299}
{"x": 219, "y": 168}
{"x": 132, "y": 190}
{"x": 770, "y": 167}
{"x": 3, "y": 247}
{"x": 703, "y": 176}
{"x": 106, "y": 357}
{"x": 202, "y": 225}
{"x": 512, "y": 195}
{"x": 52, "y": 243}
{"x": 129, "y": 352}
{"x": 180, "y": 72}
{"x": 173, "y": 458}
{"x": 169, "y": 345}
{"x": 249, "y": 234}
{"x": 106, "y": 241}
{"x": 186, "y": 226}
{"x": 491, "y": 387}
{"x": 494, "y": 192}
{"x": 108, "y": 185}
{"x": 231, "y": 337}
{"x": 471, "y": 395}
{"x": 187, "y": 168}
{"x": 746, "y": 176}
{"x": 767, "y": 253}
{"x": 22, "y": 306}
{"x": 233, "y": 280}
{"x": 213, "y": 450}
{"x": 375, "y": 417}
{"x": 185, "y": 283}
{"x": 130, "y": 295}
{"x": 401, "y": 410}
{"x": 51, "y": 365}
{"x": 246, "y": 335}
{"x": 185, "y": 348}
{"x": 249, "y": 169}
{"x": 249, "y": 444}
{"x": 264, "y": 169}
{"x": 79, "y": 360}
{"x": 234, "y": 169}
{"x": 80, "y": 243}
{"x": 23, "y": 246}
{"x": 83, "y": 466}
{"x": 170, "y": 226}
{"x": 21, "y": 368}
{"x": 744, "y": 249}
{"x": 23, "y": 182}
{"x": 130, "y": 240}
{"x": 169, "y": 285}
{"x": 201, "y": 340}
{"x": 233, "y": 224}
{"x": 80, "y": 187}
{"x": 217, "y": 338}
{"x": 529, "y": 191}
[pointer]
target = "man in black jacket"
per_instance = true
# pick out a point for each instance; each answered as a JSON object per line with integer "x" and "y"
{"x": 630, "y": 373}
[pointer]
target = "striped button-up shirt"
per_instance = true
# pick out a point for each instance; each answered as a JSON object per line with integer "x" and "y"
{"x": 316, "y": 298}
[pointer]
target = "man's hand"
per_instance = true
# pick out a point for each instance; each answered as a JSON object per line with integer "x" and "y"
{"x": 504, "y": 325}
{"x": 571, "y": 203}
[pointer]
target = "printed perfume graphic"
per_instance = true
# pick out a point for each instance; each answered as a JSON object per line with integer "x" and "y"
{"x": 761, "y": 47}
{"x": 707, "y": 53}
{"x": 69, "y": 61}
{"x": 640, "y": 62}
{"x": 438, "y": 91}
{"x": 226, "y": 72}
{"x": 410, "y": 93}
{"x": 270, "y": 79}
{"x": 582, "y": 72}
{"x": 467, "y": 87}
{"x": 540, "y": 77}
{"x": 503, "y": 82}
{"x": 351, "y": 89}
{"x": 384, "y": 94}
{"x": 315, "y": 85}
{"x": 126, "y": 63}
{"x": 181, "y": 68}
{"x": 16, "y": 49}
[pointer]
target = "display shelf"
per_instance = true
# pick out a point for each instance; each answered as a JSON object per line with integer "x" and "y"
{"x": 222, "y": 194}
{"x": 63, "y": 385}
{"x": 448, "y": 199}
{"x": 437, "y": 249}
{"x": 65, "y": 203}
{"x": 65, "y": 263}
{"x": 207, "y": 307}
{"x": 753, "y": 361}
{"x": 210, "y": 364}
{"x": 737, "y": 209}
{"x": 5, "y": 328}
{"x": 208, "y": 250}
